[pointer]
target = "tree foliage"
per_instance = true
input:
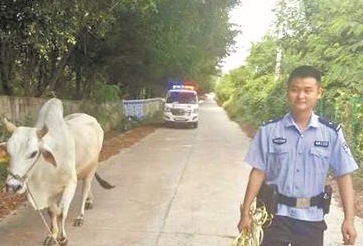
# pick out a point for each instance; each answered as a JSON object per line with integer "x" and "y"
{"x": 322, "y": 33}
{"x": 250, "y": 93}
{"x": 69, "y": 47}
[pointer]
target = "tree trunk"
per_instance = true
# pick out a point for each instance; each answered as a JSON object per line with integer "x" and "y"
{"x": 6, "y": 67}
{"x": 78, "y": 93}
{"x": 58, "y": 70}
{"x": 30, "y": 69}
{"x": 42, "y": 82}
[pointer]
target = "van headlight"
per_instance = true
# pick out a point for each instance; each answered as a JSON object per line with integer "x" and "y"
{"x": 167, "y": 109}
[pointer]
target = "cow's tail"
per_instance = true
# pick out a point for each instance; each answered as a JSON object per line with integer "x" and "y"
{"x": 103, "y": 182}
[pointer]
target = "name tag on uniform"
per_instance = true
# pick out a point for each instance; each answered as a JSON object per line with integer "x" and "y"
{"x": 279, "y": 140}
{"x": 321, "y": 143}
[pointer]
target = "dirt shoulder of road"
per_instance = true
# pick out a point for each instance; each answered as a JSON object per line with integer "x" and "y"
{"x": 113, "y": 144}
{"x": 250, "y": 132}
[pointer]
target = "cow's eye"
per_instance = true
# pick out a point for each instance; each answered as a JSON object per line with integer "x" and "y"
{"x": 32, "y": 155}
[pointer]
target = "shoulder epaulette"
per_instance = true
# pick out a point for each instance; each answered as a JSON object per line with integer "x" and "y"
{"x": 331, "y": 124}
{"x": 272, "y": 121}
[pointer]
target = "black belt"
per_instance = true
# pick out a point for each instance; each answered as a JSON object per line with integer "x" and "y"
{"x": 301, "y": 202}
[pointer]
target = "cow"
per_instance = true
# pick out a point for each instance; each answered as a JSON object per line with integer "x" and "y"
{"x": 48, "y": 159}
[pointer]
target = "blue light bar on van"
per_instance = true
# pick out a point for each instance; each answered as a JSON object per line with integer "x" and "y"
{"x": 172, "y": 83}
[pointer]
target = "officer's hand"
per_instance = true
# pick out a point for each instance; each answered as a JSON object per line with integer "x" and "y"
{"x": 348, "y": 231}
{"x": 244, "y": 224}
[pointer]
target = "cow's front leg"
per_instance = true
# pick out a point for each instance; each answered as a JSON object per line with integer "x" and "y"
{"x": 52, "y": 237}
{"x": 65, "y": 202}
{"x": 86, "y": 188}
{"x": 62, "y": 237}
{"x": 89, "y": 201}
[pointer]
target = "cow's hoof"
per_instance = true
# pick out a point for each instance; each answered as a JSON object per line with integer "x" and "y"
{"x": 78, "y": 222}
{"x": 89, "y": 204}
{"x": 63, "y": 241}
{"x": 49, "y": 241}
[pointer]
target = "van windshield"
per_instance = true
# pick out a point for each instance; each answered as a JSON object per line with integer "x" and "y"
{"x": 181, "y": 97}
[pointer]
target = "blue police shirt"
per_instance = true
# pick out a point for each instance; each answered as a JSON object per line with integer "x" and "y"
{"x": 298, "y": 162}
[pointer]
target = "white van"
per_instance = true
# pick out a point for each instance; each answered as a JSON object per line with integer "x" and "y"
{"x": 181, "y": 106}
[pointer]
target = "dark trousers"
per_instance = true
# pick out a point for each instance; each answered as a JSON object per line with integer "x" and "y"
{"x": 285, "y": 230}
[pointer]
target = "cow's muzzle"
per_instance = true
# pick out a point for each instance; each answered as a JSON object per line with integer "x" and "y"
{"x": 13, "y": 188}
{"x": 15, "y": 185}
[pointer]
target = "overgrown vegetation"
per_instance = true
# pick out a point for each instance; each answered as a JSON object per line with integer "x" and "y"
{"x": 322, "y": 33}
{"x": 3, "y": 167}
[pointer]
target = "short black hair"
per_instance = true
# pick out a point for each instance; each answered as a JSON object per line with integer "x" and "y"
{"x": 305, "y": 71}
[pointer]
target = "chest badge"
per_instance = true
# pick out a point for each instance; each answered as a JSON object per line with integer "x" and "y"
{"x": 279, "y": 140}
{"x": 322, "y": 143}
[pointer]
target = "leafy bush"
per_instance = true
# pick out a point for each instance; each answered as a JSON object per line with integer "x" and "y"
{"x": 3, "y": 174}
{"x": 104, "y": 93}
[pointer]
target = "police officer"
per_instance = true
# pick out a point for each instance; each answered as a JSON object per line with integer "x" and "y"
{"x": 295, "y": 153}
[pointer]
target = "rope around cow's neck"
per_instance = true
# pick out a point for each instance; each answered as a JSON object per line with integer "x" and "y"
{"x": 23, "y": 178}
{"x": 40, "y": 212}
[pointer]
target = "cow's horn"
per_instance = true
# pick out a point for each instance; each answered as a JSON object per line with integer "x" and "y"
{"x": 9, "y": 126}
{"x": 42, "y": 132}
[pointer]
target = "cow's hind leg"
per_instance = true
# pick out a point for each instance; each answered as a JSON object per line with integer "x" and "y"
{"x": 52, "y": 237}
{"x": 85, "y": 196}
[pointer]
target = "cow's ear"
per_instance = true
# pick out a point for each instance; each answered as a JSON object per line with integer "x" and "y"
{"x": 48, "y": 156}
{"x": 9, "y": 126}
{"x": 4, "y": 156}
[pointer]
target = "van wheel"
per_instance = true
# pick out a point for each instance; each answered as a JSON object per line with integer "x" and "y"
{"x": 195, "y": 124}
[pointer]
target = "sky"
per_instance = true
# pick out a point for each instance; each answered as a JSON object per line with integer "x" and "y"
{"x": 254, "y": 17}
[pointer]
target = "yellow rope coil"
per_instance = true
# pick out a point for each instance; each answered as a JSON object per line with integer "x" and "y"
{"x": 259, "y": 217}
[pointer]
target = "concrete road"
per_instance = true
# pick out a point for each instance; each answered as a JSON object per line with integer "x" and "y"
{"x": 177, "y": 187}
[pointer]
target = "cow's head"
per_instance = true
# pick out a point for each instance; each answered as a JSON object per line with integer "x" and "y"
{"x": 24, "y": 148}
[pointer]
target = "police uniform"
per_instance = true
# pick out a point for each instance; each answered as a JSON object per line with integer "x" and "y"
{"x": 298, "y": 163}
